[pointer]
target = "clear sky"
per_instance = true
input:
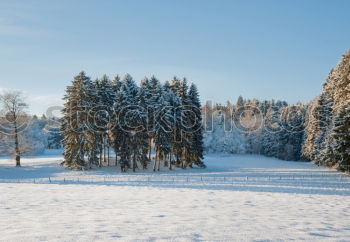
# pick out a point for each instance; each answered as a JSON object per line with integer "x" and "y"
{"x": 259, "y": 49}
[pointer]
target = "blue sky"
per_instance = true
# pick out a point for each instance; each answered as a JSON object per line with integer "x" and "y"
{"x": 259, "y": 49}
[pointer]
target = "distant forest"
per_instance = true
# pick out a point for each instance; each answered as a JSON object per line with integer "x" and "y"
{"x": 318, "y": 131}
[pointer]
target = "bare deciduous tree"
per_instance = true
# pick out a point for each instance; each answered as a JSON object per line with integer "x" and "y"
{"x": 13, "y": 107}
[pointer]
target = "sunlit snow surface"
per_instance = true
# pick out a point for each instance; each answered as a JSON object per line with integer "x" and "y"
{"x": 238, "y": 197}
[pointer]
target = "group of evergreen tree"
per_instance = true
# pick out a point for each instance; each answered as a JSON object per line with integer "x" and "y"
{"x": 328, "y": 121}
{"x": 150, "y": 122}
{"x": 283, "y": 132}
{"x": 271, "y": 128}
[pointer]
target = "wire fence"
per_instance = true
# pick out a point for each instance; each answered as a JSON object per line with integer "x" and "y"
{"x": 318, "y": 180}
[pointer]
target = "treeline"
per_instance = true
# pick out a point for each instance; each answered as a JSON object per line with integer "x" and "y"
{"x": 271, "y": 128}
{"x": 328, "y": 124}
{"x": 136, "y": 122}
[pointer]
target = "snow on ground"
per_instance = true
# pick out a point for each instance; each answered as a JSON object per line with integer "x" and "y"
{"x": 238, "y": 197}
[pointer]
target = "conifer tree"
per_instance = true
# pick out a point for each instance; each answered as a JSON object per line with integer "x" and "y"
{"x": 175, "y": 123}
{"x": 162, "y": 130}
{"x": 104, "y": 112}
{"x": 240, "y": 102}
{"x": 196, "y": 149}
{"x": 145, "y": 141}
{"x": 74, "y": 125}
{"x": 126, "y": 99}
{"x": 146, "y": 93}
{"x": 290, "y": 140}
{"x": 113, "y": 129}
{"x": 341, "y": 137}
{"x": 327, "y": 126}
{"x": 271, "y": 133}
{"x": 184, "y": 130}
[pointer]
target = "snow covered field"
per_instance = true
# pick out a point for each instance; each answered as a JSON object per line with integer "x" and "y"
{"x": 238, "y": 197}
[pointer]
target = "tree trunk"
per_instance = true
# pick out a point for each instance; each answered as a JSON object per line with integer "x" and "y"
{"x": 104, "y": 149}
{"x": 155, "y": 161}
{"x": 178, "y": 159}
{"x": 158, "y": 158}
{"x": 17, "y": 151}
{"x": 101, "y": 149}
{"x": 170, "y": 156}
{"x": 134, "y": 162}
{"x": 107, "y": 154}
{"x": 150, "y": 149}
{"x": 116, "y": 157}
